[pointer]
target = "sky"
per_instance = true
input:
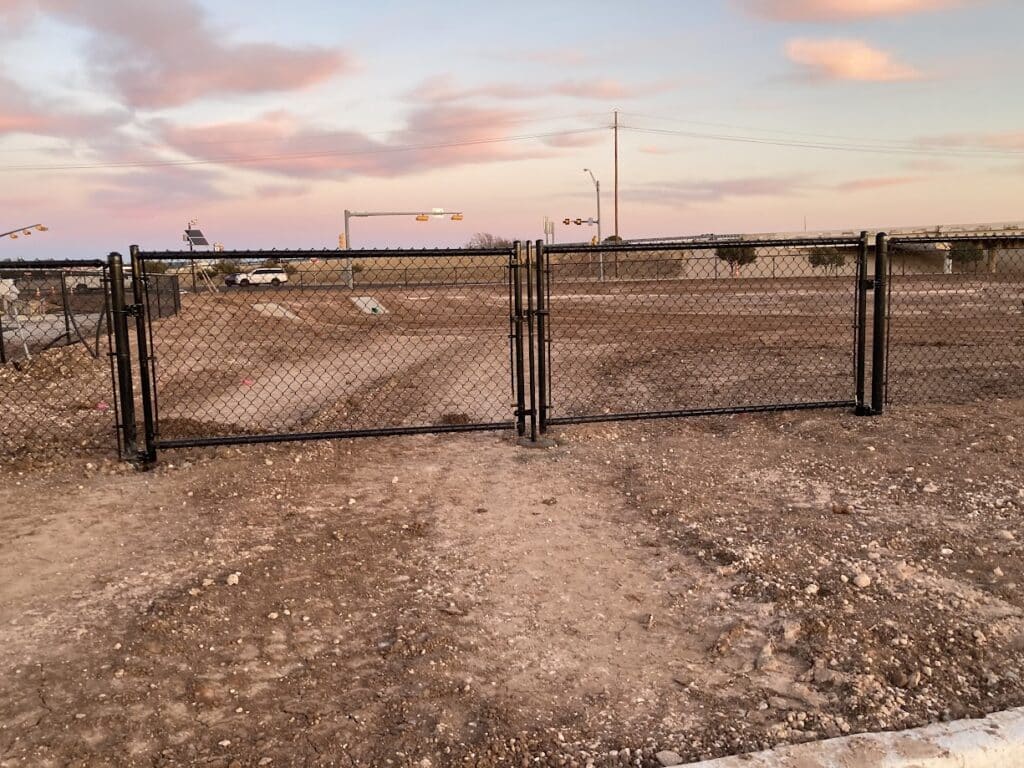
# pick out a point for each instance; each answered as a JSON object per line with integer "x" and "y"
{"x": 122, "y": 120}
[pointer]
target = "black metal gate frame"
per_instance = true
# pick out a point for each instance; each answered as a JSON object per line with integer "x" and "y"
{"x": 542, "y": 277}
{"x": 147, "y": 362}
{"x": 529, "y": 281}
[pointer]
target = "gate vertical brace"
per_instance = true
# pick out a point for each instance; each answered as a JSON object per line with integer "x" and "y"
{"x": 540, "y": 270}
{"x": 122, "y": 357}
{"x": 879, "y": 342}
{"x": 148, "y": 455}
{"x": 861, "y": 352}
{"x": 516, "y": 261}
{"x": 531, "y": 320}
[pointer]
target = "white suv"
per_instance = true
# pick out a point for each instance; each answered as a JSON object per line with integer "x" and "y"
{"x": 261, "y": 276}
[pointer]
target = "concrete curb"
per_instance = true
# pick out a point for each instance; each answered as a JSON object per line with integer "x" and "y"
{"x": 996, "y": 741}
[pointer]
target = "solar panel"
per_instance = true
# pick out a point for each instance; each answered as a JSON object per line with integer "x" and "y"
{"x": 196, "y": 237}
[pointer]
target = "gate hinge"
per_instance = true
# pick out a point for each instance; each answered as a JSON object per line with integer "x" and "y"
{"x": 133, "y": 310}
{"x": 868, "y": 284}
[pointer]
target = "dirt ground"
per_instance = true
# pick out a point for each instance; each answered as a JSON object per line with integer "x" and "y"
{"x": 707, "y": 586}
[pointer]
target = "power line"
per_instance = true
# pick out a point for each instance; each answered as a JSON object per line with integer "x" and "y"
{"x": 336, "y": 133}
{"x": 782, "y": 132}
{"x": 862, "y": 148}
{"x": 296, "y": 156}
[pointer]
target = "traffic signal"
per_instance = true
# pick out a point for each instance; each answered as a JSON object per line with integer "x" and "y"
{"x": 577, "y": 222}
{"x": 341, "y": 242}
{"x": 567, "y": 222}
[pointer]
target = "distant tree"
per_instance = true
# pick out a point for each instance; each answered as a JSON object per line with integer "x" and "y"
{"x": 830, "y": 260}
{"x": 156, "y": 267}
{"x": 964, "y": 253}
{"x": 736, "y": 256}
{"x": 487, "y": 240}
{"x": 613, "y": 240}
{"x": 287, "y": 266}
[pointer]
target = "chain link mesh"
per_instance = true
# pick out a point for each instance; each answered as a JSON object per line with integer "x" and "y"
{"x": 55, "y": 376}
{"x": 956, "y": 319}
{"x": 277, "y": 344}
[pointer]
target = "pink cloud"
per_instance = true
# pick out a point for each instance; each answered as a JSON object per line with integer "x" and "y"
{"x": 837, "y": 59}
{"x": 166, "y": 54}
{"x": 434, "y": 137}
{"x": 650, "y": 149}
{"x": 843, "y": 10}
{"x": 21, "y": 112}
{"x": 862, "y": 185}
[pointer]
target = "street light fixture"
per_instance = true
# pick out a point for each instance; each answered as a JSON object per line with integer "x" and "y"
{"x": 15, "y": 233}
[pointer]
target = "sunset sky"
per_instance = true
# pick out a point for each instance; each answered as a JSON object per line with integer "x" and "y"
{"x": 121, "y": 119}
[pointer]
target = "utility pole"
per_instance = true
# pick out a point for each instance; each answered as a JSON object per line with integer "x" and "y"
{"x": 616, "y": 129}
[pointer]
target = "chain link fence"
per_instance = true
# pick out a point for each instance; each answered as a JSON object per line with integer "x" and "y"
{"x": 956, "y": 319}
{"x": 672, "y": 329}
{"x": 55, "y": 375}
{"x": 286, "y": 345}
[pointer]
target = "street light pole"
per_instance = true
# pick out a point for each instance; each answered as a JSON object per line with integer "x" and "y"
{"x": 597, "y": 190}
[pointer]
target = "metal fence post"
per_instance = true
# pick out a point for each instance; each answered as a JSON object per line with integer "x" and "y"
{"x": 861, "y": 352}
{"x": 516, "y": 276}
{"x": 541, "y": 315}
{"x": 881, "y": 324}
{"x": 122, "y": 355}
{"x": 142, "y": 341}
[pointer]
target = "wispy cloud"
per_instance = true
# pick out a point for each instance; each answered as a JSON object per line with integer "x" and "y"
{"x": 678, "y": 193}
{"x": 843, "y": 10}
{"x": 156, "y": 55}
{"x": 880, "y": 182}
{"x": 443, "y": 88}
{"x": 838, "y": 59}
{"x": 1011, "y": 140}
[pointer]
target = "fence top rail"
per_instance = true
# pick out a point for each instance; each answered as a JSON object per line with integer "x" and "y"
{"x": 978, "y": 238}
{"x": 52, "y": 264}
{"x": 325, "y": 253}
{"x": 698, "y": 245}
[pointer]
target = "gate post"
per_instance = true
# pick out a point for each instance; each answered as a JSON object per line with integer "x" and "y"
{"x": 122, "y": 356}
{"x": 148, "y": 455}
{"x": 861, "y": 353}
{"x": 879, "y": 341}
{"x": 516, "y": 278}
{"x": 542, "y": 338}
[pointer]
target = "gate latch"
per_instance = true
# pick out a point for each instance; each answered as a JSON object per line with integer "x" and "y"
{"x": 133, "y": 310}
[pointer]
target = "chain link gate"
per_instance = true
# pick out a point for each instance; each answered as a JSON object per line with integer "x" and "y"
{"x": 298, "y": 345}
{"x": 702, "y": 327}
{"x": 956, "y": 319}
